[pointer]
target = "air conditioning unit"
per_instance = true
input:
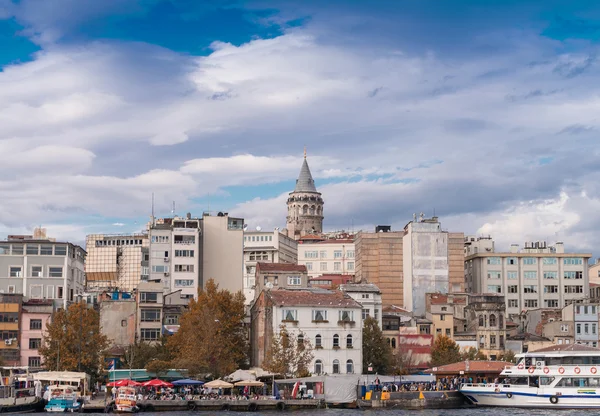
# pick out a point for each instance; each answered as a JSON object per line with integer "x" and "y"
{"x": 166, "y": 259}
{"x": 8, "y": 341}
{"x": 539, "y": 364}
{"x": 167, "y": 274}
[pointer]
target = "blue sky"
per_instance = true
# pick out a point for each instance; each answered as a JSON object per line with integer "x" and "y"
{"x": 484, "y": 111}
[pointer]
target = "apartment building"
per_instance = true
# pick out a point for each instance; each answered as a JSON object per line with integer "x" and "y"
{"x": 149, "y": 311}
{"x": 280, "y": 276}
{"x": 10, "y": 317}
{"x": 538, "y": 276}
{"x": 36, "y": 314}
{"x": 116, "y": 261}
{"x": 328, "y": 256}
{"x": 265, "y": 247}
{"x": 584, "y": 316}
{"x": 486, "y": 313}
{"x": 42, "y": 269}
{"x": 368, "y": 296}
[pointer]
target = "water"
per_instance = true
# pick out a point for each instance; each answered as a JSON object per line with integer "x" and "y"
{"x": 487, "y": 411}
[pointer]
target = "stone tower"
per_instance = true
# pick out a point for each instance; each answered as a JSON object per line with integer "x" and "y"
{"x": 305, "y": 206}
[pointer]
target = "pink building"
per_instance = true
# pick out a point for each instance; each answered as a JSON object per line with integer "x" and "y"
{"x": 35, "y": 315}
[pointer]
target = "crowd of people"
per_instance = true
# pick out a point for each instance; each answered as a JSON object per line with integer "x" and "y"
{"x": 443, "y": 384}
{"x": 193, "y": 393}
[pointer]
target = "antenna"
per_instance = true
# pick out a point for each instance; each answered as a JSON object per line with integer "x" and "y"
{"x": 173, "y": 210}
{"x": 304, "y": 151}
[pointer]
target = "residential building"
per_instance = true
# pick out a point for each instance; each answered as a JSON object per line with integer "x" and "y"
{"x": 559, "y": 332}
{"x": 594, "y": 271}
{"x": 446, "y": 312}
{"x": 42, "y": 269}
{"x": 331, "y": 320}
{"x": 456, "y": 262}
{"x": 35, "y": 315}
{"x": 116, "y": 261}
{"x": 595, "y": 292}
{"x": 328, "y": 256}
{"x": 539, "y": 276}
{"x": 266, "y": 247}
{"x": 368, "y": 296}
{"x": 330, "y": 281}
{"x": 379, "y": 261}
{"x": 524, "y": 342}
{"x": 10, "y": 316}
{"x": 305, "y": 206}
{"x": 118, "y": 319}
{"x": 584, "y": 315}
{"x": 175, "y": 304}
{"x": 149, "y": 311}
{"x": 280, "y": 275}
{"x": 223, "y": 251}
{"x": 486, "y": 314}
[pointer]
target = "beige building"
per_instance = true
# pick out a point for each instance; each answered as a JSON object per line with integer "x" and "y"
{"x": 305, "y": 206}
{"x": 328, "y": 256}
{"x": 486, "y": 314}
{"x": 280, "y": 276}
{"x": 538, "y": 276}
{"x": 379, "y": 261}
{"x": 446, "y": 313}
{"x": 594, "y": 272}
{"x": 115, "y": 260}
{"x": 149, "y": 311}
{"x": 559, "y": 332}
{"x": 118, "y": 320}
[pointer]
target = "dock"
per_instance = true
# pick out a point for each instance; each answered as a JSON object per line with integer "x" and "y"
{"x": 413, "y": 400}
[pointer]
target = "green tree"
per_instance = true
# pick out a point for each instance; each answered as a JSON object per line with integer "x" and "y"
{"x": 444, "y": 351}
{"x": 212, "y": 336}
{"x": 508, "y": 356}
{"x": 73, "y": 341}
{"x": 141, "y": 353}
{"x": 376, "y": 351}
{"x": 472, "y": 354}
{"x": 289, "y": 354}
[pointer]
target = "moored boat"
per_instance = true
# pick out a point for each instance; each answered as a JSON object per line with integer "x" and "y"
{"x": 63, "y": 398}
{"x": 126, "y": 401}
{"x": 561, "y": 376}
{"x": 18, "y": 396}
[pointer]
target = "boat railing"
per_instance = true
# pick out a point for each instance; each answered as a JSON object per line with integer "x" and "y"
{"x": 488, "y": 385}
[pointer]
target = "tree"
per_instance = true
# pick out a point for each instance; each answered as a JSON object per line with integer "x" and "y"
{"x": 289, "y": 354}
{"x": 158, "y": 367}
{"x": 211, "y": 336}
{"x": 141, "y": 353}
{"x": 472, "y": 354}
{"x": 444, "y": 351}
{"x": 73, "y": 341}
{"x": 403, "y": 361}
{"x": 376, "y": 351}
{"x": 508, "y": 356}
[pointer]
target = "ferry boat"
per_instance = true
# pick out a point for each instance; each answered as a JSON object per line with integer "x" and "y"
{"x": 126, "y": 401}
{"x": 63, "y": 398}
{"x": 561, "y": 376}
{"x": 19, "y": 396}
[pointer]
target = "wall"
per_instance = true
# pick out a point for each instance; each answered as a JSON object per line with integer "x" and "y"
{"x": 456, "y": 262}
{"x": 112, "y": 315}
{"x": 27, "y": 334}
{"x": 326, "y": 261}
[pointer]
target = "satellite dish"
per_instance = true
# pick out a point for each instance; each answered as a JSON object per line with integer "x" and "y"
{"x": 276, "y": 228}
{"x": 269, "y": 285}
{"x": 258, "y": 228}
{"x": 245, "y": 227}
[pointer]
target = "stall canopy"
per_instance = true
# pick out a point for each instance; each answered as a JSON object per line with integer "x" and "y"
{"x": 241, "y": 375}
{"x": 218, "y": 384}
{"x": 188, "y": 382}
{"x": 157, "y": 383}
{"x": 124, "y": 383}
{"x": 249, "y": 383}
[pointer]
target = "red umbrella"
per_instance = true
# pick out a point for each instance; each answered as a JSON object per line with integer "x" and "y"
{"x": 157, "y": 383}
{"x": 123, "y": 383}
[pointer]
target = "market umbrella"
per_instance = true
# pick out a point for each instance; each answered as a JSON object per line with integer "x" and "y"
{"x": 240, "y": 375}
{"x": 188, "y": 382}
{"x": 218, "y": 384}
{"x": 123, "y": 383}
{"x": 157, "y": 383}
{"x": 251, "y": 383}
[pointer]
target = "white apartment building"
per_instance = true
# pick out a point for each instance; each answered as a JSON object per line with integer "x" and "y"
{"x": 369, "y": 297}
{"x": 331, "y": 320}
{"x": 327, "y": 257}
{"x": 538, "y": 276}
{"x": 265, "y": 247}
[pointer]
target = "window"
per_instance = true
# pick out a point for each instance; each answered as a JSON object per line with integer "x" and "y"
{"x": 531, "y": 303}
{"x": 319, "y": 315}
{"x": 49, "y": 291}
{"x": 550, "y": 260}
{"x": 579, "y": 328}
{"x": 494, "y": 274}
{"x": 336, "y": 341}
{"x": 512, "y": 275}
{"x": 15, "y": 271}
{"x": 550, "y": 275}
{"x": 35, "y": 324}
{"x": 350, "y": 265}
{"x": 318, "y": 342}
{"x": 376, "y": 314}
{"x": 513, "y": 303}
{"x": 442, "y": 317}
{"x": 550, "y": 303}
{"x": 349, "y": 341}
{"x": 494, "y": 260}
{"x": 346, "y": 316}
{"x": 594, "y": 329}
{"x": 60, "y": 250}
{"x": 530, "y": 275}
{"x": 530, "y": 289}
{"x": 35, "y": 343}
{"x": 311, "y": 254}
{"x": 513, "y": 289}
{"x": 529, "y": 261}
{"x": 172, "y": 320}
{"x": 150, "y": 334}
{"x": 323, "y": 266}
{"x": 492, "y": 320}
{"x": 425, "y": 329}
{"x": 186, "y": 268}
{"x": 36, "y": 291}
{"x": 294, "y": 280}
{"x": 501, "y": 320}
{"x": 365, "y": 314}
{"x": 150, "y": 315}
{"x": 494, "y": 289}
{"x": 573, "y": 275}
{"x": 573, "y": 261}
{"x": 350, "y": 254}
{"x": 45, "y": 250}
{"x": 349, "y": 367}
{"x": 337, "y": 254}
{"x": 184, "y": 253}
{"x": 32, "y": 249}
{"x": 480, "y": 320}
{"x": 492, "y": 341}
{"x": 290, "y": 315}
{"x": 586, "y": 328}
{"x": 59, "y": 292}
{"x": 336, "y": 366}
{"x": 55, "y": 272}
{"x": 337, "y": 266}
{"x": 184, "y": 282}
{"x": 36, "y": 271}
{"x": 148, "y": 297}
{"x": 564, "y": 328}
{"x": 9, "y": 317}
{"x": 511, "y": 261}
{"x": 160, "y": 269}
{"x": 34, "y": 362}
{"x": 160, "y": 238}
{"x": 550, "y": 289}
{"x": 323, "y": 254}
{"x": 448, "y": 332}
{"x": 573, "y": 289}
{"x": 318, "y": 367}
{"x": 309, "y": 266}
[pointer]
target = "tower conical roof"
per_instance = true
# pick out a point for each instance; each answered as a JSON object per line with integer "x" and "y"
{"x": 305, "y": 181}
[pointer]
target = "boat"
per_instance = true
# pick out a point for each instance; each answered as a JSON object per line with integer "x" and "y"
{"x": 63, "y": 398}
{"x": 19, "y": 396}
{"x": 126, "y": 401}
{"x": 560, "y": 377}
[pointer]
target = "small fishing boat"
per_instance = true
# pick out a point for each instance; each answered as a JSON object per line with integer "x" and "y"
{"x": 126, "y": 401}
{"x": 18, "y": 396}
{"x": 63, "y": 398}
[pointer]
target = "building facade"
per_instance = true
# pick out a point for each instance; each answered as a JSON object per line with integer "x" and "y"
{"x": 42, "y": 269}
{"x": 280, "y": 276}
{"x": 539, "y": 276}
{"x": 10, "y": 331}
{"x": 36, "y": 314}
{"x": 118, "y": 319}
{"x": 331, "y": 321}
{"x": 265, "y": 247}
{"x": 328, "y": 256}
{"x": 368, "y": 296}
{"x": 486, "y": 312}
{"x": 304, "y": 206}
{"x": 584, "y": 316}
{"x": 149, "y": 311}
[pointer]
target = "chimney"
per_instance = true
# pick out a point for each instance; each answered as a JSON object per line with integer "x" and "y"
{"x": 514, "y": 248}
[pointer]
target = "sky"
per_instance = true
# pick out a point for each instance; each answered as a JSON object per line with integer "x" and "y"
{"x": 482, "y": 112}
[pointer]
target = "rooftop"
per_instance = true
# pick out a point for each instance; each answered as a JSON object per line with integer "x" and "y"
{"x": 336, "y": 241}
{"x": 471, "y": 367}
{"x": 309, "y": 237}
{"x": 284, "y": 297}
{"x": 527, "y": 337}
{"x": 280, "y": 267}
{"x": 305, "y": 181}
{"x": 360, "y": 287}
{"x": 442, "y": 299}
{"x": 575, "y": 348}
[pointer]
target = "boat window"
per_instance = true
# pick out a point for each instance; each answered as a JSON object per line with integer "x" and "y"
{"x": 517, "y": 381}
{"x": 594, "y": 382}
{"x": 546, "y": 381}
{"x": 574, "y": 382}
{"x": 596, "y": 360}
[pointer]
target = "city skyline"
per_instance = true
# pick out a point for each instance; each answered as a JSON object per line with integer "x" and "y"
{"x": 484, "y": 115}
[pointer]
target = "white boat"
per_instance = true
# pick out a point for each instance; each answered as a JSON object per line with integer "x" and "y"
{"x": 63, "y": 398}
{"x": 18, "y": 396}
{"x": 126, "y": 401}
{"x": 562, "y": 377}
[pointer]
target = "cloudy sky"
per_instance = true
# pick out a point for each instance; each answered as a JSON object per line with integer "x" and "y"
{"x": 484, "y": 111}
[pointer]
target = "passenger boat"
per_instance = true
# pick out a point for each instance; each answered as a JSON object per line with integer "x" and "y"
{"x": 126, "y": 401}
{"x": 18, "y": 396}
{"x": 63, "y": 398}
{"x": 561, "y": 376}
